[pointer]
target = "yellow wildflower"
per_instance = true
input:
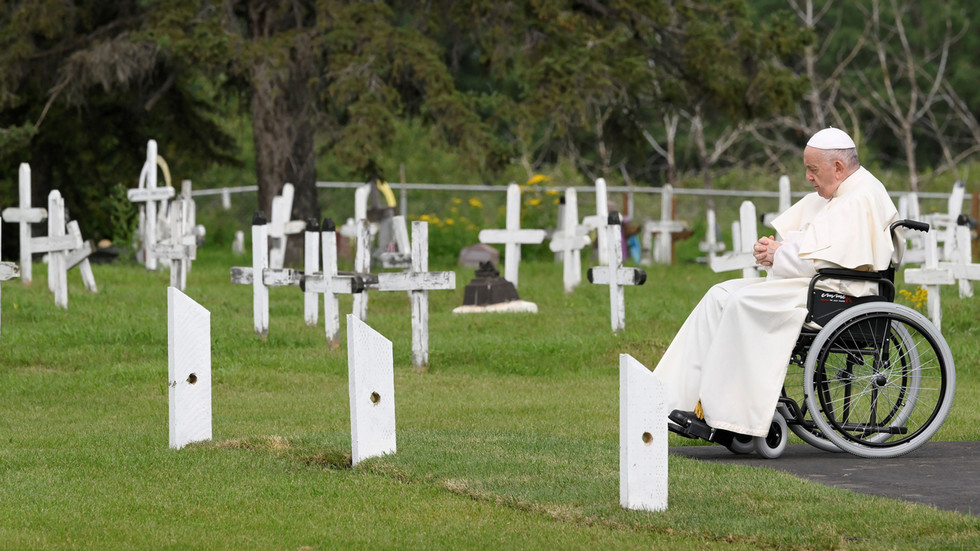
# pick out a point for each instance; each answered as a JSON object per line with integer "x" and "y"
{"x": 537, "y": 179}
{"x": 474, "y": 202}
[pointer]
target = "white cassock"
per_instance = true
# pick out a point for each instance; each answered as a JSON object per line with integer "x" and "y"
{"x": 733, "y": 350}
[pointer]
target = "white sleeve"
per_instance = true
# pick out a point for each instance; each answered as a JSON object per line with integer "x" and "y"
{"x": 786, "y": 262}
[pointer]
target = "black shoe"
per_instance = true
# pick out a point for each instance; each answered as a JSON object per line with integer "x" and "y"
{"x": 689, "y": 425}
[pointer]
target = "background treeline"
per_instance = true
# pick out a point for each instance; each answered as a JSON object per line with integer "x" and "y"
{"x": 642, "y": 91}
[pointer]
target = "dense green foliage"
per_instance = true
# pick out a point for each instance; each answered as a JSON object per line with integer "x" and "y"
{"x": 508, "y": 440}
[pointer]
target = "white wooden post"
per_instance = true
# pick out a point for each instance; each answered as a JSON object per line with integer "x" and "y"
{"x": 513, "y": 236}
{"x": 785, "y": 200}
{"x": 311, "y": 265}
{"x": 615, "y": 275}
{"x": 181, "y": 246}
{"x": 147, "y": 193}
{"x": 711, "y": 246}
{"x": 189, "y": 369}
{"x": 330, "y": 283}
{"x": 643, "y": 469}
{"x": 418, "y": 282}
{"x": 238, "y": 245}
{"x": 570, "y": 243}
{"x": 281, "y": 227}
{"x": 24, "y": 216}
{"x": 963, "y": 255}
{"x": 79, "y": 257}
{"x": 225, "y": 199}
{"x": 931, "y": 277}
{"x": 370, "y": 366}
{"x": 8, "y": 270}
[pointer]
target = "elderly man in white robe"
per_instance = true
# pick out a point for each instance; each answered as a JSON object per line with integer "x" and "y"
{"x": 724, "y": 370}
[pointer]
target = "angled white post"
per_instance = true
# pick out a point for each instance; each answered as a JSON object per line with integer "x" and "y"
{"x": 615, "y": 275}
{"x": 569, "y": 242}
{"x": 643, "y": 469}
{"x": 189, "y": 369}
{"x": 24, "y": 216}
{"x": 513, "y": 236}
{"x": 418, "y": 282}
{"x": 370, "y": 366}
{"x": 260, "y": 261}
{"x": 79, "y": 257}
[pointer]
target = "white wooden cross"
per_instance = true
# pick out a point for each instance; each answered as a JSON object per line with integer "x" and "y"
{"x": 785, "y": 201}
{"x": 513, "y": 236}
{"x": 151, "y": 198}
{"x": 614, "y": 274}
{"x": 401, "y": 257}
{"x": 418, "y": 282}
{"x": 744, "y": 237}
{"x": 57, "y": 244}
{"x": 260, "y": 276}
{"x": 188, "y": 369}
{"x": 362, "y": 265}
{"x": 664, "y": 229}
{"x": 328, "y": 281}
{"x": 933, "y": 274}
{"x": 361, "y": 196}
{"x": 642, "y": 437}
{"x": 569, "y": 242}
{"x": 281, "y": 227}
{"x": 24, "y": 216}
{"x": 598, "y": 220}
{"x": 711, "y": 246}
{"x": 182, "y": 246}
{"x": 79, "y": 257}
{"x": 8, "y": 270}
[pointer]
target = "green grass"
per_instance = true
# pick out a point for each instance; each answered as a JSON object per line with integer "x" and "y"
{"x": 508, "y": 440}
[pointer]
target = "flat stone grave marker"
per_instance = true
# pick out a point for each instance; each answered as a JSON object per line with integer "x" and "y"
{"x": 370, "y": 366}
{"x": 189, "y": 369}
{"x": 642, "y": 437}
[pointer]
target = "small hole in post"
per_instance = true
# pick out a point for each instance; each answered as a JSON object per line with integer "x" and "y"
{"x": 192, "y": 378}
{"x": 375, "y": 398}
{"x": 647, "y": 438}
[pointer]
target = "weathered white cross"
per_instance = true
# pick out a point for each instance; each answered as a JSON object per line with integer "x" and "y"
{"x": 569, "y": 242}
{"x": 743, "y": 238}
{"x": 664, "y": 229}
{"x": 934, "y": 273}
{"x": 182, "y": 246}
{"x": 614, "y": 274}
{"x": 711, "y": 245}
{"x": 785, "y": 201}
{"x": 418, "y": 282}
{"x": 151, "y": 198}
{"x": 24, "y": 216}
{"x": 60, "y": 243}
{"x": 281, "y": 227}
{"x": 598, "y": 220}
{"x": 513, "y": 236}
{"x": 328, "y": 281}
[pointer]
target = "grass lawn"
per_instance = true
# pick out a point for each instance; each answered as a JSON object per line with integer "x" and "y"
{"x": 508, "y": 440}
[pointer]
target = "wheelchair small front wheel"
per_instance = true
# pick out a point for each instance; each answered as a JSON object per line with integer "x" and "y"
{"x": 773, "y": 444}
{"x": 741, "y": 444}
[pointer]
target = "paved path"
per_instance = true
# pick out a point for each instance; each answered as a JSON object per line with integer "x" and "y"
{"x": 943, "y": 474}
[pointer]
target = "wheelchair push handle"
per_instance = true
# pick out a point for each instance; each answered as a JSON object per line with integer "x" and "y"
{"x": 910, "y": 224}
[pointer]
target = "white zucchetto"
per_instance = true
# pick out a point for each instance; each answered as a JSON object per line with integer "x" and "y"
{"x": 831, "y": 138}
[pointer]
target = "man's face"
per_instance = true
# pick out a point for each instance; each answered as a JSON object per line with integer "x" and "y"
{"x": 821, "y": 172}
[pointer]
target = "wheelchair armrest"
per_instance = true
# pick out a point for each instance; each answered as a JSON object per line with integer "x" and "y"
{"x": 886, "y": 288}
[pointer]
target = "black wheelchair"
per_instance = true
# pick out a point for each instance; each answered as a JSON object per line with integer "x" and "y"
{"x": 867, "y": 376}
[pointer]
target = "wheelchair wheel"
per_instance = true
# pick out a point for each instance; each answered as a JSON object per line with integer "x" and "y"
{"x": 741, "y": 444}
{"x": 879, "y": 380}
{"x": 793, "y": 389}
{"x": 773, "y": 444}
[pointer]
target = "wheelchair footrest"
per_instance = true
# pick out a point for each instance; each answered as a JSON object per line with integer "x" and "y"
{"x": 688, "y": 424}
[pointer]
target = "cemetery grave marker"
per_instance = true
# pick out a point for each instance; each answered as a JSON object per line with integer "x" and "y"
{"x": 150, "y": 198}
{"x": 512, "y": 237}
{"x": 57, "y": 242}
{"x": 933, "y": 273}
{"x": 370, "y": 366}
{"x": 785, "y": 201}
{"x": 642, "y": 437}
{"x": 189, "y": 369}
{"x": 743, "y": 239}
{"x": 24, "y": 216}
{"x": 711, "y": 245}
{"x": 418, "y": 282}
{"x": 281, "y": 227}
{"x": 664, "y": 229}
{"x": 569, "y": 242}
{"x": 614, "y": 274}
{"x": 182, "y": 246}
{"x": 598, "y": 220}
{"x": 328, "y": 281}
